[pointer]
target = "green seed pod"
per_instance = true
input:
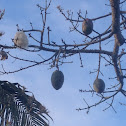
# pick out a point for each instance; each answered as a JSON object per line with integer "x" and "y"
{"x": 57, "y": 79}
{"x": 99, "y": 85}
{"x": 87, "y": 26}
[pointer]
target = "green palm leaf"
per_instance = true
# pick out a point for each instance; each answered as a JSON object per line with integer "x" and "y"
{"x": 17, "y": 108}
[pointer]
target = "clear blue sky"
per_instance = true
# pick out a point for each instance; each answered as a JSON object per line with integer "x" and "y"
{"x": 61, "y": 103}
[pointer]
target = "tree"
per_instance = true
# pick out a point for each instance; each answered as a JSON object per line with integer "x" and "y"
{"x": 18, "y": 106}
{"x": 60, "y": 52}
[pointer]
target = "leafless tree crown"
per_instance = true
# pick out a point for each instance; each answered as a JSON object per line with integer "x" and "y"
{"x": 60, "y": 52}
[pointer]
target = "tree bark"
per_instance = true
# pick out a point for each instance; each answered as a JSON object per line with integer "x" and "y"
{"x": 119, "y": 39}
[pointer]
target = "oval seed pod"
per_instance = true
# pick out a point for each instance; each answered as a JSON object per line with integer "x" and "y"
{"x": 4, "y": 55}
{"x": 57, "y": 79}
{"x": 87, "y": 26}
{"x": 99, "y": 85}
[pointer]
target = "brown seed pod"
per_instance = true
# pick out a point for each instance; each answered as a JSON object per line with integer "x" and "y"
{"x": 57, "y": 79}
{"x": 1, "y": 33}
{"x": 99, "y": 85}
{"x": 87, "y": 26}
{"x": 4, "y": 55}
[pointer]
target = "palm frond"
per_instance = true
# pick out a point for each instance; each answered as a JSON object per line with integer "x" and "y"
{"x": 18, "y": 108}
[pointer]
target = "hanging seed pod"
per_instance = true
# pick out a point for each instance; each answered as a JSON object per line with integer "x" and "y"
{"x": 57, "y": 79}
{"x": 99, "y": 85}
{"x": 1, "y": 33}
{"x": 4, "y": 55}
{"x": 87, "y": 26}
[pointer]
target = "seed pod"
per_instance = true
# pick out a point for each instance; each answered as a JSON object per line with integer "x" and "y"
{"x": 1, "y": 33}
{"x": 87, "y": 26}
{"x": 99, "y": 85}
{"x": 57, "y": 79}
{"x": 21, "y": 40}
{"x": 4, "y": 55}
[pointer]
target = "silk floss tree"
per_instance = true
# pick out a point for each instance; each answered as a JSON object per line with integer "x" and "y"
{"x": 92, "y": 43}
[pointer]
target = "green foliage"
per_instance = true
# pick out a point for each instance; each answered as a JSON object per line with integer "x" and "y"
{"x": 19, "y": 108}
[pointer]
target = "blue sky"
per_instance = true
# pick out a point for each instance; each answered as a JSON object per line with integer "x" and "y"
{"x": 61, "y": 103}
